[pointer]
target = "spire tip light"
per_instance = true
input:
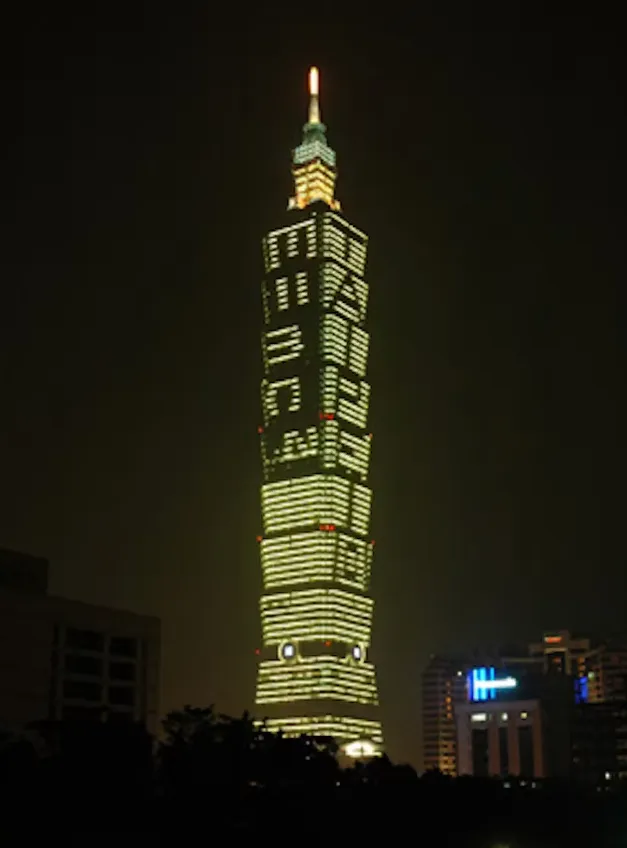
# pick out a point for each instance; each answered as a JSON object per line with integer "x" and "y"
{"x": 313, "y": 81}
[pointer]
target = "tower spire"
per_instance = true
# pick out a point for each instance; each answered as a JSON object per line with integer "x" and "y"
{"x": 314, "y": 104}
{"x": 313, "y": 161}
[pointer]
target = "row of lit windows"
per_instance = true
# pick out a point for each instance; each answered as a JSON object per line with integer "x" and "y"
{"x": 337, "y": 448}
{"x": 282, "y": 344}
{"x": 314, "y": 692}
{"x": 339, "y": 727}
{"x": 340, "y": 240}
{"x": 297, "y": 445}
{"x": 315, "y": 500}
{"x": 305, "y": 676}
{"x": 289, "y": 616}
{"x": 341, "y": 342}
{"x": 316, "y": 556}
{"x": 314, "y": 678}
{"x": 346, "y": 293}
{"x": 316, "y": 170}
{"x": 344, "y": 226}
{"x": 270, "y": 244}
{"x": 358, "y": 607}
{"x": 313, "y": 149}
{"x": 343, "y": 249}
{"x": 344, "y": 449}
{"x": 344, "y": 233}
{"x": 314, "y": 175}
{"x": 289, "y": 388}
{"x": 344, "y": 343}
{"x": 322, "y": 666}
{"x": 349, "y": 399}
{"x": 313, "y": 182}
{"x": 283, "y": 292}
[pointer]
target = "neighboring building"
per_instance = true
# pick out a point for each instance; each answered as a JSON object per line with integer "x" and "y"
{"x": 514, "y": 725}
{"x": 599, "y": 741}
{"x": 600, "y": 669}
{"x": 607, "y": 673}
{"x": 597, "y": 674}
{"x": 562, "y": 653}
{"x": 443, "y": 687}
{"x": 63, "y": 659}
{"x": 315, "y": 674}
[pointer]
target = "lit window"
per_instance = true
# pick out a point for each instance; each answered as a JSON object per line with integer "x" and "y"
{"x": 479, "y": 717}
{"x": 524, "y": 715}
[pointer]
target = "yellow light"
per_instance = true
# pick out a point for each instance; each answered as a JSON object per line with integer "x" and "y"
{"x": 359, "y": 748}
{"x": 313, "y": 81}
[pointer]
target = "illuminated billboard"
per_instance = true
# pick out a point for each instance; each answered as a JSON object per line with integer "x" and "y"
{"x": 483, "y": 683}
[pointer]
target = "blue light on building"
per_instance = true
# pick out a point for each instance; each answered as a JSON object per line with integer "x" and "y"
{"x": 581, "y": 690}
{"x": 483, "y": 684}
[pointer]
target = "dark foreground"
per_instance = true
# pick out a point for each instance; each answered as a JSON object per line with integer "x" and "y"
{"x": 217, "y": 778}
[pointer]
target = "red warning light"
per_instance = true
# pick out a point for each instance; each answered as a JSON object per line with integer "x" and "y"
{"x": 373, "y": 543}
{"x": 327, "y": 416}
{"x": 260, "y": 538}
{"x": 260, "y": 430}
{"x": 327, "y": 644}
{"x": 257, "y": 651}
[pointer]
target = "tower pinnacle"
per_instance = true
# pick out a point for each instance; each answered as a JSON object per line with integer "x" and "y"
{"x": 313, "y": 161}
{"x": 314, "y": 106}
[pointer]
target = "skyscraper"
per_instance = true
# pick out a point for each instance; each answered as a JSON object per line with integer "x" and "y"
{"x": 315, "y": 675}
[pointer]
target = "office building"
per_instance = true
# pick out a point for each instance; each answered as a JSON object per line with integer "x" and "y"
{"x": 63, "y": 659}
{"x": 606, "y": 672}
{"x": 443, "y": 687}
{"x": 315, "y": 671}
{"x": 561, "y": 653}
{"x": 444, "y": 684}
{"x": 514, "y": 725}
{"x": 599, "y": 742}
{"x": 557, "y": 709}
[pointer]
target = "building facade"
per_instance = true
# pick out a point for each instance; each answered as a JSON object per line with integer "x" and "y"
{"x": 565, "y": 716}
{"x": 443, "y": 687}
{"x": 514, "y": 722}
{"x": 63, "y": 659}
{"x": 315, "y": 673}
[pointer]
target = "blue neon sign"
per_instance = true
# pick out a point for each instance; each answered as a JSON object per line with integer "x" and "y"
{"x": 581, "y": 690}
{"x": 483, "y": 684}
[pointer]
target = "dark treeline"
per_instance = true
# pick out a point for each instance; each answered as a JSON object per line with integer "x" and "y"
{"x": 212, "y": 775}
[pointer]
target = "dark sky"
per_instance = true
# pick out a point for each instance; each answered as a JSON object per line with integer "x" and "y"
{"x": 482, "y": 152}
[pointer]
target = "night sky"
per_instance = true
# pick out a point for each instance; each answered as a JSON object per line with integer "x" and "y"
{"x": 482, "y": 153}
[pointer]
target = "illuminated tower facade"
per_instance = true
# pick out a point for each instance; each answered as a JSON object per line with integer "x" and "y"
{"x": 315, "y": 675}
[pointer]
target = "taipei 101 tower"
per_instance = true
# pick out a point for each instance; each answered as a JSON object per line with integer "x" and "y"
{"x": 315, "y": 675}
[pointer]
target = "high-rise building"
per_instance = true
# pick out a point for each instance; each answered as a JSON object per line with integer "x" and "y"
{"x": 315, "y": 674}
{"x": 561, "y": 684}
{"x": 443, "y": 687}
{"x": 515, "y": 722}
{"x": 62, "y": 659}
{"x": 562, "y": 653}
{"x": 606, "y": 672}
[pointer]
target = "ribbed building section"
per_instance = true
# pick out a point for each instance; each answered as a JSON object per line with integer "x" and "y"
{"x": 315, "y": 675}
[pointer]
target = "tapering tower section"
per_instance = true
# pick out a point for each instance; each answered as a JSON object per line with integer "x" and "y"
{"x": 315, "y": 675}
{"x": 313, "y": 161}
